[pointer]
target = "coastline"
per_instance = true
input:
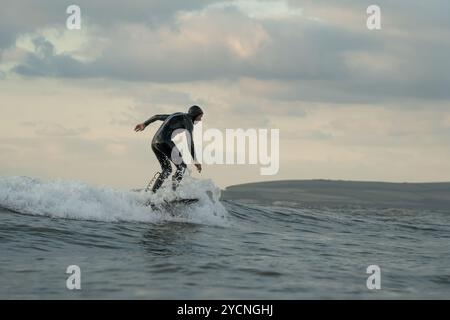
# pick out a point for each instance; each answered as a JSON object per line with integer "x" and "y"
{"x": 432, "y": 195}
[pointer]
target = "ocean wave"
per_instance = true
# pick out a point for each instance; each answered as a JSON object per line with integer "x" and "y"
{"x": 78, "y": 200}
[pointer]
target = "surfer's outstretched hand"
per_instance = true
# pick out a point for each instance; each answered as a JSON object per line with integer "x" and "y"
{"x": 139, "y": 127}
{"x": 199, "y": 167}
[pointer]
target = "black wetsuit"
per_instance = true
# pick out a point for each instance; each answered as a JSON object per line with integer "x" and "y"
{"x": 164, "y": 148}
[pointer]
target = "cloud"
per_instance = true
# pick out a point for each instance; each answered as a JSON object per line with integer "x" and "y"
{"x": 18, "y": 17}
{"x": 324, "y": 60}
{"x": 247, "y": 66}
{"x": 268, "y": 9}
{"x": 45, "y": 62}
{"x": 214, "y": 43}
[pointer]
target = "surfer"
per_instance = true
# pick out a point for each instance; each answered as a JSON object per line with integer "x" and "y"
{"x": 165, "y": 150}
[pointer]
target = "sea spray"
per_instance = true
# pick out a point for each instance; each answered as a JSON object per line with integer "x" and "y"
{"x": 78, "y": 200}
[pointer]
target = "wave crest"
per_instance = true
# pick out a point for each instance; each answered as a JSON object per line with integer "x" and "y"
{"x": 78, "y": 200}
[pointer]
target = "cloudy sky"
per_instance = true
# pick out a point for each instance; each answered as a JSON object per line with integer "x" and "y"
{"x": 350, "y": 103}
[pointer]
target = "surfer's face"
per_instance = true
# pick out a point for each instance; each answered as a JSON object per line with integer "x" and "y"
{"x": 198, "y": 118}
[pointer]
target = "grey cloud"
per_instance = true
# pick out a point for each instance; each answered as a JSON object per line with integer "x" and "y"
{"x": 18, "y": 17}
{"x": 45, "y": 62}
{"x": 408, "y": 14}
{"x": 152, "y": 12}
{"x": 306, "y": 50}
{"x": 296, "y": 50}
{"x": 308, "y": 56}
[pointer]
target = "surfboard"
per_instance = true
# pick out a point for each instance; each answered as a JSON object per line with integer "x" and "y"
{"x": 172, "y": 203}
{"x": 183, "y": 201}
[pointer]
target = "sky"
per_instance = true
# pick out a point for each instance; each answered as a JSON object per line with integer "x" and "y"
{"x": 350, "y": 103}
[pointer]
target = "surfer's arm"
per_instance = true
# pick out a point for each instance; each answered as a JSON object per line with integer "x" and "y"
{"x": 143, "y": 125}
{"x": 189, "y": 127}
{"x": 160, "y": 117}
{"x": 190, "y": 137}
{"x": 196, "y": 163}
{"x": 193, "y": 150}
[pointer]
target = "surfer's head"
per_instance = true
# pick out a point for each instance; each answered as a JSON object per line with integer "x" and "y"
{"x": 195, "y": 113}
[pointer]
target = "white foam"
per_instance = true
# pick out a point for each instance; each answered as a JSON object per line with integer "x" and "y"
{"x": 77, "y": 200}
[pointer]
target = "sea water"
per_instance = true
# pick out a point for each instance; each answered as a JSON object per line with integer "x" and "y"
{"x": 213, "y": 249}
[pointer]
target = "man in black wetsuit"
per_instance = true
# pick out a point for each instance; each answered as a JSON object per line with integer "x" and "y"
{"x": 163, "y": 146}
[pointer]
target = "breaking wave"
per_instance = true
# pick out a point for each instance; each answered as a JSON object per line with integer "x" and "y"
{"x": 78, "y": 200}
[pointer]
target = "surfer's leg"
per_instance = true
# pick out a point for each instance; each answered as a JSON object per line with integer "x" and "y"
{"x": 179, "y": 164}
{"x": 178, "y": 175}
{"x": 166, "y": 168}
{"x": 171, "y": 151}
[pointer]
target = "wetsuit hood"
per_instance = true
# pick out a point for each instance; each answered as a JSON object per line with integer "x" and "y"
{"x": 194, "y": 111}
